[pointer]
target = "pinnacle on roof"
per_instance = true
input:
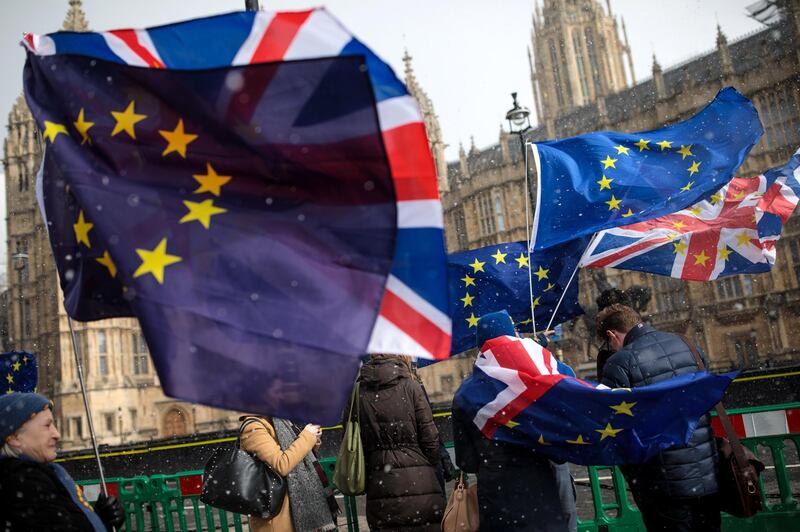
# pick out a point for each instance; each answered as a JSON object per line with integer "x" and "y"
{"x": 76, "y": 18}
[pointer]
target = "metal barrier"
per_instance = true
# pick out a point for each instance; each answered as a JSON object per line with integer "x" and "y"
{"x": 171, "y": 503}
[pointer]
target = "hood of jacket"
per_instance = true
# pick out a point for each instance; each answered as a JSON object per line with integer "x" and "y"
{"x": 380, "y": 372}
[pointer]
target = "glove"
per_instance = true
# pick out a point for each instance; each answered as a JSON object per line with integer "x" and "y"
{"x": 109, "y": 510}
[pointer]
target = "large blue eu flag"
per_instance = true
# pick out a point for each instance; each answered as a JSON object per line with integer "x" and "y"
{"x": 601, "y": 180}
{"x": 246, "y": 215}
{"x": 500, "y": 277}
{"x": 18, "y": 370}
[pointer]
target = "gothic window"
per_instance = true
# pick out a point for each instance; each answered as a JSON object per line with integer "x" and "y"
{"x": 461, "y": 229}
{"x": 175, "y": 423}
{"x": 733, "y": 287}
{"x": 556, "y": 72}
{"x": 794, "y": 251}
{"x": 134, "y": 419}
{"x": 565, "y": 68}
{"x": 447, "y": 382}
{"x": 498, "y": 211}
{"x": 669, "y": 293}
{"x": 102, "y": 350}
{"x": 486, "y": 214}
{"x": 28, "y": 319}
{"x": 781, "y": 118}
{"x": 77, "y": 427}
{"x": 109, "y": 422}
{"x": 746, "y": 350}
{"x": 140, "y": 356}
{"x": 592, "y": 58}
{"x": 576, "y": 43}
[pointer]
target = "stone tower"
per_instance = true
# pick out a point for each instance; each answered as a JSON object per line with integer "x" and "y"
{"x": 578, "y": 55}
{"x": 432, "y": 128}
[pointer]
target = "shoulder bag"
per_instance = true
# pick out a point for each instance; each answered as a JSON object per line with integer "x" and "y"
{"x": 236, "y": 481}
{"x": 739, "y": 487}
{"x": 461, "y": 513}
{"x": 350, "y": 473}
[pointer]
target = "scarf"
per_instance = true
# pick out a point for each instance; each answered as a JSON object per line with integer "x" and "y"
{"x": 306, "y": 497}
{"x": 76, "y": 494}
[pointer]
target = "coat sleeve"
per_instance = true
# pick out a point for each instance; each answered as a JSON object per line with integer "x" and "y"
{"x": 615, "y": 375}
{"x": 466, "y": 453}
{"x": 427, "y": 433}
{"x": 259, "y": 438}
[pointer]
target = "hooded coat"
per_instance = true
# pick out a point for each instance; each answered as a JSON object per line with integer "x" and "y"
{"x": 401, "y": 448}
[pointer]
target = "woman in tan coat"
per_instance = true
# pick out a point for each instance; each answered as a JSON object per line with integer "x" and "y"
{"x": 277, "y": 443}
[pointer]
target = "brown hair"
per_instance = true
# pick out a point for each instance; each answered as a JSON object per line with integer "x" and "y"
{"x": 616, "y": 317}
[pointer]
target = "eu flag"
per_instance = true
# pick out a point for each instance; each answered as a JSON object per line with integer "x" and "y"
{"x": 18, "y": 371}
{"x": 246, "y": 213}
{"x": 517, "y": 395}
{"x": 500, "y": 277}
{"x": 601, "y": 180}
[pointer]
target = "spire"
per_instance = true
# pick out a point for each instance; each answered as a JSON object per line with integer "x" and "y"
{"x": 76, "y": 18}
{"x": 608, "y": 5}
{"x": 656, "y": 66}
{"x": 721, "y": 39}
{"x": 658, "y": 80}
{"x": 628, "y": 52}
{"x": 726, "y": 62}
{"x": 409, "y": 68}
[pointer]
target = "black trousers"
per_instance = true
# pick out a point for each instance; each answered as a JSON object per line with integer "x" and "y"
{"x": 701, "y": 514}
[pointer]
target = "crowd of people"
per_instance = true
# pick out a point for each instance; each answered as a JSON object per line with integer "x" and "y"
{"x": 406, "y": 462}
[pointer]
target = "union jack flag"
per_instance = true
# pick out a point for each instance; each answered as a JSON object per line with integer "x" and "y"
{"x": 518, "y": 395}
{"x": 732, "y": 232}
{"x": 413, "y": 317}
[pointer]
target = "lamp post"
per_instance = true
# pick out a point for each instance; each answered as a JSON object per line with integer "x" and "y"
{"x": 19, "y": 261}
{"x": 519, "y": 120}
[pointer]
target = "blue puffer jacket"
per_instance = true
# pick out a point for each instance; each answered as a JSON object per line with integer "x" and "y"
{"x": 649, "y": 356}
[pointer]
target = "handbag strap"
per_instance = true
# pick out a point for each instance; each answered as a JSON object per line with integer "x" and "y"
{"x": 246, "y": 422}
{"x": 354, "y": 403}
{"x": 730, "y": 432}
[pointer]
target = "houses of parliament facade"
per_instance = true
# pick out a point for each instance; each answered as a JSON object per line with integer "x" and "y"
{"x": 583, "y": 80}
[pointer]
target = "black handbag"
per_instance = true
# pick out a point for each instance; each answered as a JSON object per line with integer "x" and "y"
{"x": 236, "y": 481}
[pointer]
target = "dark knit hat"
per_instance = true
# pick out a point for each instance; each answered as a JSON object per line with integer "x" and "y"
{"x": 17, "y": 408}
{"x": 493, "y": 325}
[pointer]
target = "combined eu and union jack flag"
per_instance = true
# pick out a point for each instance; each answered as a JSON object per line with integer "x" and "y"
{"x": 499, "y": 278}
{"x": 517, "y": 395}
{"x": 732, "y": 232}
{"x": 19, "y": 372}
{"x": 602, "y": 180}
{"x": 263, "y": 201}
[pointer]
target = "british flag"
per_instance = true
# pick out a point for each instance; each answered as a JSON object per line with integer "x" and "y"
{"x": 413, "y": 318}
{"x": 517, "y": 394}
{"x": 732, "y": 232}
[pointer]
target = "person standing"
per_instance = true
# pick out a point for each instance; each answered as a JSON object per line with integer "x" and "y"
{"x": 676, "y": 490}
{"x": 401, "y": 448}
{"x": 36, "y": 493}
{"x": 518, "y": 488}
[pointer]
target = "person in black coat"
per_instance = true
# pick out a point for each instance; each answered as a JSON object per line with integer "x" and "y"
{"x": 677, "y": 489}
{"x": 35, "y": 493}
{"x": 518, "y": 488}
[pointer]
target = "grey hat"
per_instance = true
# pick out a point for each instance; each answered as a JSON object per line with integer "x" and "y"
{"x": 17, "y": 408}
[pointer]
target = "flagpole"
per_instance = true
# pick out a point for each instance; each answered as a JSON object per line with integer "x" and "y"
{"x": 528, "y": 226}
{"x": 564, "y": 292}
{"x": 86, "y": 405}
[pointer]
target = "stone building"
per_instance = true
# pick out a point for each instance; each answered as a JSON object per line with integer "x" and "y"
{"x": 580, "y": 85}
{"x": 124, "y": 392}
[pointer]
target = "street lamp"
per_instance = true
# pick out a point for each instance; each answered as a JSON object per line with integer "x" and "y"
{"x": 519, "y": 120}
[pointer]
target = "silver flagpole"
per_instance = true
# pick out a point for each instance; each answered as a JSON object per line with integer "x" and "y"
{"x": 86, "y": 405}
{"x": 528, "y": 227}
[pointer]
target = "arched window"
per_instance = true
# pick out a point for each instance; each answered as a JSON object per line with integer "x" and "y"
{"x": 556, "y": 73}
{"x": 576, "y": 43}
{"x": 593, "y": 58}
{"x": 175, "y": 423}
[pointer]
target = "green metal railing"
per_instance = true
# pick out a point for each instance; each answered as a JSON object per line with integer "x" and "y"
{"x": 158, "y": 502}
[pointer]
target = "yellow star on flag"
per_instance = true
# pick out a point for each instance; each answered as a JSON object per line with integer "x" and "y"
{"x": 688, "y": 187}
{"x": 664, "y": 144}
{"x": 642, "y": 144}
{"x": 716, "y": 198}
{"x": 608, "y": 162}
{"x": 477, "y": 266}
{"x": 201, "y": 212}
{"x": 9, "y": 391}
{"x": 686, "y": 151}
{"x": 10, "y": 378}
{"x": 499, "y": 257}
{"x": 608, "y": 432}
{"x": 211, "y": 182}
{"x": 177, "y": 140}
{"x": 701, "y": 258}
{"x": 511, "y": 424}
{"x": 678, "y": 225}
{"x": 52, "y": 130}
{"x": 541, "y": 273}
{"x": 724, "y": 253}
{"x": 522, "y": 261}
{"x": 154, "y": 262}
{"x": 467, "y": 299}
{"x": 468, "y": 280}
{"x": 623, "y": 408}
{"x": 537, "y": 301}
{"x": 740, "y": 196}
{"x": 696, "y": 210}
{"x": 82, "y": 228}
{"x": 106, "y": 261}
{"x": 742, "y": 239}
{"x": 550, "y": 286}
{"x": 126, "y": 120}
{"x": 680, "y": 247}
{"x": 622, "y": 150}
{"x": 472, "y": 320}
{"x": 629, "y": 213}
{"x": 613, "y": 203}
{"x": 579, "y": 441}
{"x": 83, "y": 127}
{"x": 605, "y": 183}
{"x": 694, "y": 168}
{"x": 15, "y": 366}
{"x": 541, "y": 441}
